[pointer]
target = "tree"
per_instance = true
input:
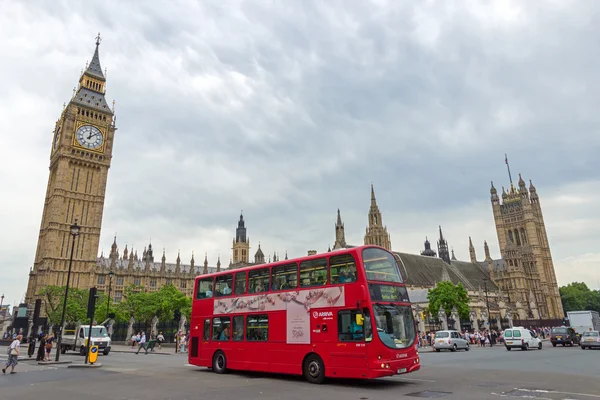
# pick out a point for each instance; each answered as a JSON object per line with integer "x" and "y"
{"x": 143, "y": 306}
{"x": 446, "y": 295}
{"x": 76, "y": 310}
{"x": 576, "y": 296}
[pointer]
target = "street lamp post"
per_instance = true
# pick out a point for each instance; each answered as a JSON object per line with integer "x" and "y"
{"x": 74, "y": 232}
{"x": 487, "y": 302}
{"x": 110, "y": 275}
{"x": 1, "y": 313}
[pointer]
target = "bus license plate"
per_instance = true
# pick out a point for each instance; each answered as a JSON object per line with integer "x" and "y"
{"x": 402, "y": 370}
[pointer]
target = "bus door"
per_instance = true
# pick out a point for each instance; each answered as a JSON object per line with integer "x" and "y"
{"x": 204, "y": 348}
{"x": 352, "y": 348}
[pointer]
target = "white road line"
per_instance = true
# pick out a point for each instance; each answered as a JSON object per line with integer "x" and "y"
{"x": 415, "y": 379}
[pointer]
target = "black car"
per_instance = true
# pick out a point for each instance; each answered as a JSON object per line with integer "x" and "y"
{"x": 564, "y": 336}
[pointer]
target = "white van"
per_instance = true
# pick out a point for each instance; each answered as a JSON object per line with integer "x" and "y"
{"x": 521, "y": 338}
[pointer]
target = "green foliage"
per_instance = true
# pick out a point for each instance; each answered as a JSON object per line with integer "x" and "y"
{"x": 446, "y": 295}
{"x": 577, "y": 296}
{"x": 143, "y": 306}
{"x": 137, "y": 303}
{"x": 76, "y": 310}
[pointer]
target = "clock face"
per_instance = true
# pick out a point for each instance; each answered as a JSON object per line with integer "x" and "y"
{"x": 89, "y": 136}
{"x": 57, "y": 138}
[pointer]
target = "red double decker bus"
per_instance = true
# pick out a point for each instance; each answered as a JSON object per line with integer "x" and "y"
{"x": 342, "y": 314}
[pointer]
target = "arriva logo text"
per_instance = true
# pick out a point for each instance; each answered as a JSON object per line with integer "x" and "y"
{"x": 322, "y": 314}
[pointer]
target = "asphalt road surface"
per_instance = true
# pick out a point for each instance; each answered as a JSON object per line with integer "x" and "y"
{"x": 489, "y": 373}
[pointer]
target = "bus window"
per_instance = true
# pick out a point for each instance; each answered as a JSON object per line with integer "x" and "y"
{"x": 206, "y": 329}
{"x": 367, "y": 326}
{"x": 221, "y": 328}
{"x": 380, "y": 265}
{"x": 223, "y": 285}
{"x": 204, "y": 289}
{"x": 285, "y": 277}
{"x": 238, "y": 328}
{"x": 257, "y": 328}
{"x": 240, "y": 283}
{"x": 313, "y": 273}
{"x": 348, "y": 329}
{"x": 342, "y": 269}
{"x": 258, "y": 280}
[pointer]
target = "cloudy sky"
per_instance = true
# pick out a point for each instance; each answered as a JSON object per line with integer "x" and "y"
{"x": 290, "y": 109}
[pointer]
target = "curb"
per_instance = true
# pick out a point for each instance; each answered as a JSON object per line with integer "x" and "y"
{"x": 53, "y": 362}
{"x": 96, "y": 365}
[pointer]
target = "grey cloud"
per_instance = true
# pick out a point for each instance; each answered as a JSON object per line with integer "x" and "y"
{"x": 290, "y": 110}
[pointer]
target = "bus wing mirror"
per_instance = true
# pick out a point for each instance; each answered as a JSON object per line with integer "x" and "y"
{"x": 359, "y": 319}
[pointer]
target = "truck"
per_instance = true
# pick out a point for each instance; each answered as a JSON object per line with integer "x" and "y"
{"x": 76, "y": 339}
{"x": 583, "y": 321}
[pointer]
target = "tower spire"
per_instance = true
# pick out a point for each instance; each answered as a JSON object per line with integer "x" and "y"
{"x": 472, "y": 251}
{"x": 508, "y": 168}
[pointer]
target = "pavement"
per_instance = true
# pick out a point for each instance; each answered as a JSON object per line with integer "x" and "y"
{"x": 560, "y": 373}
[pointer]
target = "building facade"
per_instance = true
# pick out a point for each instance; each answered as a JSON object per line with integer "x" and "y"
{"x": 376, "y": 233}
{"x": 525, "y": 269}
{"x": 80, "y": 156}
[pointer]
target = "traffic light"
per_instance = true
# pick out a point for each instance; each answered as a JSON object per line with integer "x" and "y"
{"x": 92, "y": 303}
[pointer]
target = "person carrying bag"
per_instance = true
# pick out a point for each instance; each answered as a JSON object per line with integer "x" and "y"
{"x": 13, "y": 355}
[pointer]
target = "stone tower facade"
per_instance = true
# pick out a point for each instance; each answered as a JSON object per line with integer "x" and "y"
{"x": 80, "y": 156}
{"x": 340, "y": 235}
{"x": 376, "y": 232}
{"x": 443, "y": 251}
{"x": 241, "y": 243}
{"x": 528, "y": 274}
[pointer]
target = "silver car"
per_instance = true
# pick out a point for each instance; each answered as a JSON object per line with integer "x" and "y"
{"x": 590, "y": 340}
{"x": 450, "y": 340}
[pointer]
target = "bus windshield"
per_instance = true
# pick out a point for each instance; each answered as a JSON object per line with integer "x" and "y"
{"x": 380, "y": 265}
{"x": 395, "y": 325}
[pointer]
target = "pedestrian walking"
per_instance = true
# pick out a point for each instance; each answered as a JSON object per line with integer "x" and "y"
{"x": 142, "y": 344}
{"x": 13, "y": 355}
{"x": 42, "y": 349}
{"x": 48, "y": 346}
{"x": 160, "y": 339}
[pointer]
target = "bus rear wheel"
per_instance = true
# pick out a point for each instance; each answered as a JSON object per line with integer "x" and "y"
{"x": 219, "y": 362}
{"x": 314, "y": 369}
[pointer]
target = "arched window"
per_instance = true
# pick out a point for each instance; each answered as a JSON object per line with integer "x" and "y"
{"x": 523, "y": 236}
{"x": 517, "y": 237}
{"x": 510, "y": 236}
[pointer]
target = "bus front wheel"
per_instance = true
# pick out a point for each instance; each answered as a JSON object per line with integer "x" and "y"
{"x": 314, "y": 369}
{"x": 219, "y": 362}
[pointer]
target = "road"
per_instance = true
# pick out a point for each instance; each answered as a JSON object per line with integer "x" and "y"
{"x": 489, "y": 373}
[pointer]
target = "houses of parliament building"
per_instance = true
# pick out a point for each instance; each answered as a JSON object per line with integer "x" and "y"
{"x": 522, "y": 281}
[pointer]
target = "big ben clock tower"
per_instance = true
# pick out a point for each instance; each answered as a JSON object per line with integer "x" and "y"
{"x": 80, "y": 155}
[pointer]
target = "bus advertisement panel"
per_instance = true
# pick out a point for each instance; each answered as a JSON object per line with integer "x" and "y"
{"x": 341, "y": 314}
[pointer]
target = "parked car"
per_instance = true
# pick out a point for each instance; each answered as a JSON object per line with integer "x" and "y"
{"x": 590, "y": 339}
{"x": 563, "y": 335}
{"x": 449, "y": 340}
{"x": 521, "y": 338}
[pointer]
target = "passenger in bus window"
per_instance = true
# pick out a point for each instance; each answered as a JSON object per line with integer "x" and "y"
{"x": 259, "y": 287}
{"x": 226, "y": 290}
{"x": 209, "y": 292}
{"x": 225, "y": 334}
{"x": 276, "y": 284}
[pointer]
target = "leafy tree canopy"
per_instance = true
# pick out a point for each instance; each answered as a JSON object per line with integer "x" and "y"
{"x": 137, "y": 303}
{"x": 577, "y": 296}
{"x": 447, "y": 295}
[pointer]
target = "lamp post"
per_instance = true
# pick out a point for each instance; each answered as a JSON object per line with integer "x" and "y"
{"x": 487, "y": 302}
{"x": 74, "y": 230}
{"x": 2, "y": 314}
{"x": 110, "y": 275}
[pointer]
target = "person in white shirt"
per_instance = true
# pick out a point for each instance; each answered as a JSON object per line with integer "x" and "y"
{"x": 142, "y": 344}
{"x": 13, "y": 355}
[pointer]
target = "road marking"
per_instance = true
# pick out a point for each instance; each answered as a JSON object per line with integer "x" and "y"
{"x": 415, "y": 379}
{"x": 504, "y": 394}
